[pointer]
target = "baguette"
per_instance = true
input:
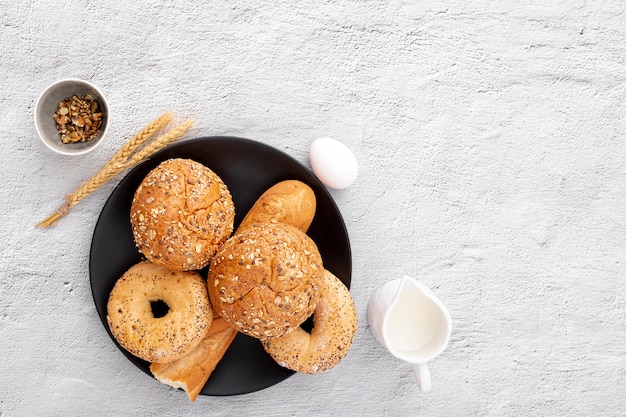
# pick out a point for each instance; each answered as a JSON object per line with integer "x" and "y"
{"x": 192, "y": 371}
{"x": 291, "y": 202}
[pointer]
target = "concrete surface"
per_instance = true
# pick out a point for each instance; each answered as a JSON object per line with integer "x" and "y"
{"x": 491, "y": 142}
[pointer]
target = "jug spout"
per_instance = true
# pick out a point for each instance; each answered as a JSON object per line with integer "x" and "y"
{"x": 405, "y": 285}
{"x": 408, "y": 283}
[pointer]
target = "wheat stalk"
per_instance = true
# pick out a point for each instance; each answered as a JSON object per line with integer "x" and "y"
{"x": 142, "y": 137}
{"x": 160, "y": 142}
{"x": 129, "y": 155}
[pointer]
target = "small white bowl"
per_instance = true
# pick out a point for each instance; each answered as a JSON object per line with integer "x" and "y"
{"x": 46, "y": 106}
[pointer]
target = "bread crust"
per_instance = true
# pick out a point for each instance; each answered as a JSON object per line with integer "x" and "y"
{"x": 264, "y": 280}
{"x": 290, "y": 201}
{"x": 192, "y": 371}
{"x": 180, "y": 214}
{"x": 164, "y": 339}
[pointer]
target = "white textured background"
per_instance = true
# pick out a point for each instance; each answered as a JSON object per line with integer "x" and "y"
{"x": 491, "y": 141}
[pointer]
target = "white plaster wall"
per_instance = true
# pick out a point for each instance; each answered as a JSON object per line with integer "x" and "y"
{"x": 491, "y": 141}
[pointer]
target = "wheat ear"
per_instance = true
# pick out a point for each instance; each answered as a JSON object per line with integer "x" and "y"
{"x": 160, "y": 142}
{"x": 126, "y": 157}
{"x": 141, "y": 138}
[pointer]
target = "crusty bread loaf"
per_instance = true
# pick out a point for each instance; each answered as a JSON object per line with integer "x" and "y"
{"x": 264, "y": 280}
{"x": 192, "y": 371}
{"x": 180, "y": 214}
{"x": 290, "y": 201}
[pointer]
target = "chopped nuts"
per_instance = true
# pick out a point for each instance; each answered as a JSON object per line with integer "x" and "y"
{"x": 78, "y": 118}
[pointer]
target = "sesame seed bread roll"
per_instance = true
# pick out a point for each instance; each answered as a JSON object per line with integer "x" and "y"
{"x": 290, "y": 202}
{"x": 264, "y": 280}
{"x": 180, "y": 214}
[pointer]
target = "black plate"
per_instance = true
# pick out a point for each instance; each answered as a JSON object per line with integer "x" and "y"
{"x": 248, "y": 168}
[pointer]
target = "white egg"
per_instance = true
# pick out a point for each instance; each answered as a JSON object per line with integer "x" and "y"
{"x": 333, "y": 163}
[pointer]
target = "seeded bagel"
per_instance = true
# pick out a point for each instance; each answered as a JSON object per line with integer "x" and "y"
{"x": 158, "y": 338}
{"x": 334, "y": 328}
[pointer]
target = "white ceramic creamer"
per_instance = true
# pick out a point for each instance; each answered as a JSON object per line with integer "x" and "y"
{"x": 412, "y": 323}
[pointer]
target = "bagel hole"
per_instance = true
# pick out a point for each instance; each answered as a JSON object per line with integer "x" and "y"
{"x": 159, "y": 308}
{"x": 307, "y": 326}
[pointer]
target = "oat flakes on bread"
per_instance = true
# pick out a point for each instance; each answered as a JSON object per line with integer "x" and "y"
{"x": 264, "y": 280}
{"x": 180, "y": 214}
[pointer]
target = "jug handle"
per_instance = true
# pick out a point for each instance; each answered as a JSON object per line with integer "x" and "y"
{"x": 422, "y": 375}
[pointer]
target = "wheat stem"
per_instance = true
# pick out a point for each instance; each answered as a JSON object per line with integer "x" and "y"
{"x": 142, "y": 137}
{"x": 129, "y": 155}
{"x": 160, "y": 142}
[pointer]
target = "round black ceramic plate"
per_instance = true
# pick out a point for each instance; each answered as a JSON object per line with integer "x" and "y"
{"x": 248, "y": 168}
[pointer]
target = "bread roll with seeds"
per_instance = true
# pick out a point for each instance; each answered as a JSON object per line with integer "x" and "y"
{"x": 290, "y": 202}
{"x": 264, "y": 280}
{"x": 180, "y": 214}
